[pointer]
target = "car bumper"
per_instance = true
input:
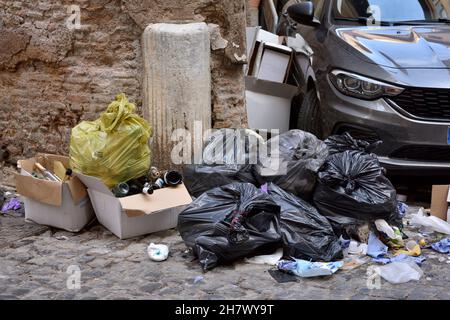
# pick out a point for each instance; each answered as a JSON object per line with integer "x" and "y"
{"x": 394, "y": 129}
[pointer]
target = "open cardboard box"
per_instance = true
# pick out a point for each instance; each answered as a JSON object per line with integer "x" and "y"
{"x": 269, "y": 59}
{"x": 136, "y": 215}
{"x": 61, "y": 205}
{"x": 268, "y": 104}
{"x": 440, "y": 202}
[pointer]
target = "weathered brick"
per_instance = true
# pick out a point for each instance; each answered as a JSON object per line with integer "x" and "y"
{"x": 51, "y": 77}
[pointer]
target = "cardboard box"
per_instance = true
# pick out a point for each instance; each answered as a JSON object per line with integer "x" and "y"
{"x": 440, "y": 200}
{"x": 56, "y": 204}
{"x": 269, "y": 59}
{"x": 137, "y": 215}
{"x": 268, "y": 104}
{"x": 275, "y": 63}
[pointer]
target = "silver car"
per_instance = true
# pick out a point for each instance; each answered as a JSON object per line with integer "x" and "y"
{"x": 379, "y": 69}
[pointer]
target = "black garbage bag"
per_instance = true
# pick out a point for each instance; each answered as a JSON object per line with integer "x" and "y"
{"x": 300, "y": 156}
{"x": 352, "y": 189}
{"x": 345, "y": 142}
{"x": 229, "y": 156}
{"x": 201, "y": 178}
{"x": 306, "y": 234}
{"x": 231, "y": 222}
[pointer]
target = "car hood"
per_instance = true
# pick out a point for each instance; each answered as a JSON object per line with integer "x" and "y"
{"x": 399, "y": 47}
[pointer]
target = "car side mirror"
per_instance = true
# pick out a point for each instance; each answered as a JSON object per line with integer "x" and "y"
{"x": 303, "y": 13}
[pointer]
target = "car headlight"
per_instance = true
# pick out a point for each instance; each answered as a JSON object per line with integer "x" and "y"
{"x": 361, "y": 87}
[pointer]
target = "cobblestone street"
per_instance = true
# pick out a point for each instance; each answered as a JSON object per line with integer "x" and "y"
{"x": 34, "y": 262}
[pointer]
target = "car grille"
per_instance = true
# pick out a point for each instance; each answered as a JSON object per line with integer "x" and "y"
{"x": 432, "y": 104}
{"x": 423, "y": 153}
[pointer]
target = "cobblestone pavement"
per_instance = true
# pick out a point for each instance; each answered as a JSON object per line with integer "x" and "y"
{"x": 34, "y": 262}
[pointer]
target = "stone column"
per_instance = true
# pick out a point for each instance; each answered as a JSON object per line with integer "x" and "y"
{"x": 177, "y": 84}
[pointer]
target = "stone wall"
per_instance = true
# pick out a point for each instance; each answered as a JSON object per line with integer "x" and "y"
{"x": 52, "y": 77}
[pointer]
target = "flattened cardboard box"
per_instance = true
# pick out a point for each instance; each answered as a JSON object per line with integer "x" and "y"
{"x": 440, "y": 200}
{"x": 61, "y": 205}
{"x": 137, "y": 215}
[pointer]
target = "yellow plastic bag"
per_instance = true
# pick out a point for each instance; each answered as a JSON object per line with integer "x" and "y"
{"x": 113, "y": 148}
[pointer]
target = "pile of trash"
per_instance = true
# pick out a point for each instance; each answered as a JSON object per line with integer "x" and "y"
{"x": 308, "y": 207}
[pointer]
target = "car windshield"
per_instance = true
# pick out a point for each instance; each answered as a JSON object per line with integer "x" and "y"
{"x": 424, "y": 11}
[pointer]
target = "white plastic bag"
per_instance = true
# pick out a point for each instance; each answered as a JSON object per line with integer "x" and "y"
{"x": 401, "y": 272}
{"x": 434, "y": 223}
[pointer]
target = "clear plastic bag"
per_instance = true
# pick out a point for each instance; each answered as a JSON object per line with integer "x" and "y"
{"x": 434, "y": 223}
{"x": 113, "y": 148}
{"x": 401, "y": 272}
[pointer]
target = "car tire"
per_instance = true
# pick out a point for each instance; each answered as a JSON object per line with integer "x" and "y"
{"x": 310, "y": 117}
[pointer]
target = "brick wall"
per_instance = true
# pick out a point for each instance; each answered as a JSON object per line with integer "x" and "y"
{"x": 52, "y": 77}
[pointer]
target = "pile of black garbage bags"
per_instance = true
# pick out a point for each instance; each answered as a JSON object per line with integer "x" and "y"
{"x": 293, "y": 191}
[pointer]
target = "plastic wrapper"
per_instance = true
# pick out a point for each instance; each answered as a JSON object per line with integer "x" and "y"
{"x": 294, "y": 166}
{"x": 306, "y": 234}
{"x": 345, "y": 142}
{"x": 401, "y": 272}
{"x": 352, "y": 190}
{"x": 113, "y": 148}
{"x": 228, "y": 156}
{"x": 430, "y": 222}
{"x": 307, "y": 269}
{"x": 229, "y": 223}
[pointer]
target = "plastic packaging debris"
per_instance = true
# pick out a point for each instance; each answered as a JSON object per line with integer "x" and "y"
{"x": 345, "y": 244}
{"x": 400, "y": 258}
{"x": 353, "y": 262}
{"x": 412, "y": 249}
{"x": 376, "y": 248}
{"x": 11, "y": 205}
{"x": 442, "y": 246}
{"x": 300, "y": 155}
{"x": 198, "y": 279}
{"x": 345, "y": 142}
{"x": 206, "y": 224}
{"x": 158, "y": 252}
{"x": 271, "y": 259}
{"x": 402, "y": 208}
{"x": 431, "y": 223}
{"x": 306, "y": 269}
{"x": 306, "y": 234}
{"x": 397, "y": 242}
{"x": 401, "y": 272}
{"x": 113, "y": 148}
{"x": 228, "y": 156}
{"x": 357, "y": 248}
{"x": 352, "y": 189}
{"x": 384, "y": 227}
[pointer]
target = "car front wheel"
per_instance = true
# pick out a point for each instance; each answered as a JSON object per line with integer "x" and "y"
{"x": 310, "y": 118}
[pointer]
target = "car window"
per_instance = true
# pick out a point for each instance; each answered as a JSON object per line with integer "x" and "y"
{"x": 393, "y": 10}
